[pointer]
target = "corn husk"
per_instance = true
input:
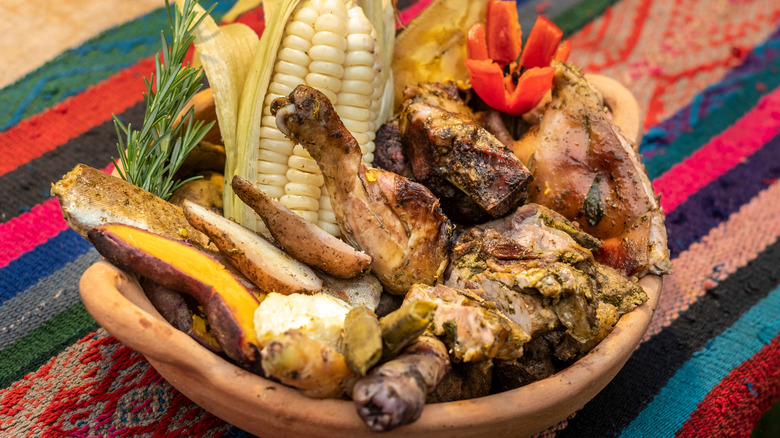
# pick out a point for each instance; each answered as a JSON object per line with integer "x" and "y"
{"x": 241, "y": 7}
{"x": 255, "y": 89}
{"x": 226, "y": 53}
{"x": 382, "y": 16}
{"x": 432, "y": 47}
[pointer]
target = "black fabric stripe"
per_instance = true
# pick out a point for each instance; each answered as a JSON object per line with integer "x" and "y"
{"x": 30, "y": 184}
{"x": 656, "y": 361}
{"x": 715, "y": 202}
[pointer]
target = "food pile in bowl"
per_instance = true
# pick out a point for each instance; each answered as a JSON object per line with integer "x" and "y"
{"x": 437, "y": 216}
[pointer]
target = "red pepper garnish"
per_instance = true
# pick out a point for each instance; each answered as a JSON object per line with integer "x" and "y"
{"x": 542, "y": 44}
{"x": 503, "y": 32}
{"x": 476, "y": 44}
{"x": 503, "y": 82}
{"x": 487, "y": 80}
{"x": 562, "y": 54}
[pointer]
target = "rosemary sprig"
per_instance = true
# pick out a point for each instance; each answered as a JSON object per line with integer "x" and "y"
{"x": 151, "y": 156}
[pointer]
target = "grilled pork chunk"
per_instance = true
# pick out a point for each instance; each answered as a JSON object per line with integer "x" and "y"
{"x": 530, "y": 265}
{"x": 399, "y": 223}
{"x": 585, "y": 169}
{"x": 460, "y": 161}
{"x": 436, "y": 141}
{"x": 472, "y": 327}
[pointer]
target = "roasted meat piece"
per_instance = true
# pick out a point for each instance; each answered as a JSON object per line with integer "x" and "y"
{"x": 436, "y": 141}
{"x": 530, "y": 265}
{"x": 472, "y": 327}
{"x": 454, "y": 156}
{"x": 444, "y": 96}
{"x": 585, "y": 169}
{"x": 399, "y": 223}
{"x": 389, "y": 153}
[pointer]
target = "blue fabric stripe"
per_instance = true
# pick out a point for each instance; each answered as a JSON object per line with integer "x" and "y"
{"x": 28, "y": 310}
{"x": 675, "y": 139}
{"x": 712, "y": 98}
{"x": 41, "y": 262}
{"x": 694, "y": 380}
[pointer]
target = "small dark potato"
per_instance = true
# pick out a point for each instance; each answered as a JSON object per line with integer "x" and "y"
{"x": 205, "y": 156}
{"x": 181, "y": 313}
{"x": 206, "y": 192}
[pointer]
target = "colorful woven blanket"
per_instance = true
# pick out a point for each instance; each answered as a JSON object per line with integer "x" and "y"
{"x": 707, "y": 77}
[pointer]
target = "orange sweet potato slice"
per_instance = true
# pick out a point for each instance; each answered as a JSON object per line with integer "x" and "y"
{"x": 229, "y": 304}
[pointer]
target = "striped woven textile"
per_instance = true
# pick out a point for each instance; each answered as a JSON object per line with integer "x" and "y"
{"x": 707, "y": 77}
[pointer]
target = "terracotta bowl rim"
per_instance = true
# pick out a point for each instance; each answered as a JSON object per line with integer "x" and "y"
{"x": 117, "y": 302}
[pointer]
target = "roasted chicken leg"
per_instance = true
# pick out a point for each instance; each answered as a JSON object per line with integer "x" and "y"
{"x": 399, "y": 223}
{"x": 585, "y": 169}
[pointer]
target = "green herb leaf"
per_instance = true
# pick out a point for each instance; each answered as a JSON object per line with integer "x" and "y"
{"x": 151, "y": 156}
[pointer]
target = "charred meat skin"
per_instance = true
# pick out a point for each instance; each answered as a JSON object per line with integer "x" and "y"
{"x": 450, "y": 153}
{"x": 389, "y": 153}
{"x": 399, "y": 223}
{"x": 585, "y": 169}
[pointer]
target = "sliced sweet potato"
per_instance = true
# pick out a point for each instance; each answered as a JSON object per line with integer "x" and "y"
{"x": 229, "y": 305}
{"x": 300, "y": 238}
{"x": 270, "y": 268}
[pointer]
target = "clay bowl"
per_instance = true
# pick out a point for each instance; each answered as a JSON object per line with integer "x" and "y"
{"x": 269, "y": 409}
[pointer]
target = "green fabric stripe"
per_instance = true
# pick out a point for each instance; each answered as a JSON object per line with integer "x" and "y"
{"x": 578, "y": 16}
{"x": 29, "y": 353}
{"x": 97, "y": 59}
{"x": 735, "y": 106}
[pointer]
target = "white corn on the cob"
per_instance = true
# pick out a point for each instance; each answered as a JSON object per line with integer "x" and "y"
{"x": 329, "y": 45}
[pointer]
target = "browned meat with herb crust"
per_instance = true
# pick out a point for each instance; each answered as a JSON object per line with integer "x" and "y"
{"x": 399, "y": 223}
{"x": 586, "y": 170}
{"x": 472, "y": 327}
{"x": 460, "y": 161}
{"x": 531, "y": 266}
{"x": 444, "y": 96}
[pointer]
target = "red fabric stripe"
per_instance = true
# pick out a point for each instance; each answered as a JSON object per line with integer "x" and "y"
{"x": 45, "y": 131}
{"x": 23, "y": 233}
{"x": 412, "y": 11}
{"x": 721, "y": 153}
{"x": 255, "y": 19}
{"x": 734, "y": 407}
